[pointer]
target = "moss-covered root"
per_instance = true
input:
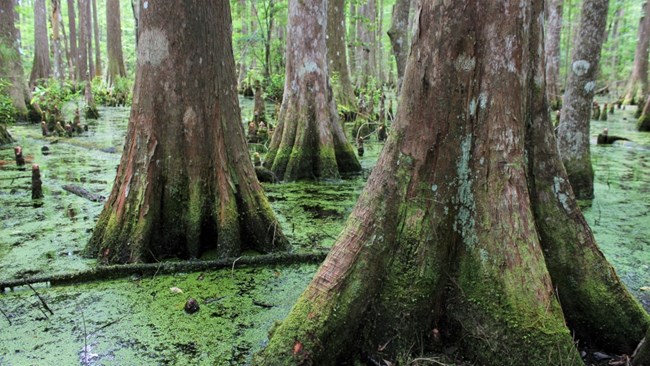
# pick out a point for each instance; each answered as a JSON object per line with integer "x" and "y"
{"x": 642, "y": 354}
{"x": 643, "y": 123}
{"x": 581, "y": 176}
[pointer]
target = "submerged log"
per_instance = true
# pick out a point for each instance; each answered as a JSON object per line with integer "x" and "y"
{"x": 82, "y": 192}
{"x": 605, "y": 139}
{"x": 126, "y": 270}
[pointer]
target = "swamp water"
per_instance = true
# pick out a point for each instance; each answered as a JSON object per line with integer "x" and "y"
{"x": 137, "y": 321}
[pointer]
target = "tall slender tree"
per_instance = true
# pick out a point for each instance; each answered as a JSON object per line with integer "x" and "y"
{"x": 573, "y": 132}
{"x": 5, "y": 137}
{"x": 366, "y": 42}
{"x": 115, "y": 66}
{"x": 11, "y": 65}
{"x": 552, "y": 48}
{"x": 636, "y": 89}
{"x": 308, "y": 142}
{"x": 643, "y": 123}
{"x": 98, "y": 53}
{"x": 467, "y": 234}
{"x": 42, "y": 67}
{"x": 82, "y": 51}
{"x": 73, "y": 60}
{"x": 185, "y": 183}
{"x": 337, "y": 55}
{"x": 398, "y": 34}
{"x": 59, "y": 70}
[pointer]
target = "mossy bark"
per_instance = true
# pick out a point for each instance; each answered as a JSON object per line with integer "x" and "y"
{"x": 115, "y": 64}
{"x": 185, "y": 183}
{"x": 552, "y": 47}
{"x": 643, "y": 123}
{"x": 642, "y": 356}
{"x": 449, "y": 243}
{"x": 308, "y": 142}
{"x": 399, "y": 37}
{"x": 637, "y": 85}
{"x": 41, "y": 67}
{"x": 573, "y": 131}
{"x": 5, "y": 137}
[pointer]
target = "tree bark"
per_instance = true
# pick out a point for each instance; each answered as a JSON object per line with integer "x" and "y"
{"x": 552, "y": 47}
{"x": 337, "y": 55}
{"x": 42, "y": 67}
{"x": 185, "y": 183}
{"x": 457, "y": 239}
{"x": 614, "y": 43}
{"x": 636, "y": 89}
{"x": 243, "y": 45}
{"x": 115, "y": 68}
{"x": 5, "y": 137}
{"x": 11, "y": 65}
{"x": 73, "y": 62}
{"x": 59, "y": 70}
{"x": 88, "y": 23}
{"x": 308, "y": 142}
{"x": 83, "y": 64}
{"x": 573, "y": 132}
{"x": 98, "y": 53}
{"x": 398, "y": 34}
{"x": 643, "y": 123}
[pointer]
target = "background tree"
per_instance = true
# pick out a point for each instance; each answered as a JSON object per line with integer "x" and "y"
{"x": 98, "y": 53}
{"x": 308, "y": 142}
{"x": 366, "y": 40}
{"x": 552, "y": 48}
{"x": 73, "y": 60}
{"x": 115, "y": 66}
{"x": 5, "y": 137}
{"x": 59, "y": 70}
{"x": 644, "y": 120}
{"x": 11, "y": 66}
{"x": 637, "y": 84}
{"x": 467, "y": 226}
{"x": 337, "y": 55}
{"x": 185, "y": 183}
{"x": 42, "y": 67}
{"x": 398, "y": 34}
{"x": 573, "y": 132}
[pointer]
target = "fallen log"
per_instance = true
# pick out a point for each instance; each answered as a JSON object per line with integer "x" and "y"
{"x": 125, "y": 270}
{"x": 82, "y": 192}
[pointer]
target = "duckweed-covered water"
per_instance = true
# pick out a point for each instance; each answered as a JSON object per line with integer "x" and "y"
{"x": 139, "y": 321}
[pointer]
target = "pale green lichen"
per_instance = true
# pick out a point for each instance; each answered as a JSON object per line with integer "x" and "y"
{"x": 465, "y": 224}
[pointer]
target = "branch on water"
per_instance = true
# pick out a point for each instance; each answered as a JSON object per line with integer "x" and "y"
{"x": 126, "y": 270}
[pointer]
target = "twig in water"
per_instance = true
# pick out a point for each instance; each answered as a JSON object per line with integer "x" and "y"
{"x": 233, "y": 266}
{"x": 83, "y": 319}
{"x": 5, "y": 314}
{"x": 42, "y": 301}
{"x": 262, "y": 305}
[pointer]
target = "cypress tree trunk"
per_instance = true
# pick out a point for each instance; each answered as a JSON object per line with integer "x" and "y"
{"x": 5, "y": 137}
{"x": 637, "y": 85}
{"x": 42, "y": 67}
{"x": 458, "y": 238}
{"x": 398, "y": 34}
{"x": 643, "y": 123}
{"x": 552, "y": 47}
{"x": 11, "y": 65}
{"x": 73, "y": 61}
{"x": 98, "y": 53}
{"x": 88, "y": 24}
{"x": 573, "y": 132}
{"x": 308, "y": 142}
{"x": 243, "y": 46}
{"x": 337, "y": 55}
{"x": 367, "y": 53}
{"x": 613, "y": 48}
{"x": 59, "y": 71}
{"x": 115, "y": 67}
{"x": 185, "y": 183}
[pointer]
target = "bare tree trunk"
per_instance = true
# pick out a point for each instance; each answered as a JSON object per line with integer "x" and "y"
{"x": 573, "y": 132}
{"x": 613, "y": 49}
{"x": 83, "y": 50}
{"x": 552, "y": 48}
{"x": 367, "y": 52}
{"x": 643, "y": 123}
{"x": 74, "y": 55}
{"x": 59, "y": 70}
{"x": 135, "y": 5}
{"x": 98, "y": 53}
{"x": 115, "y": 67}
{"x": 337, "y": 55}
{"x": 11, "y": 65}
{"x": 88, "y": 23}
{"x": 308, "y": 142}
{"x": 398, "y": 34}
{"x": 352, "y": 36}
{"x": 42, "y": 67}
{"x": 185, "y": 183}
{"x": 456, "y": 243}
{"x": 5, "y": 137}
{"x": 636, "y": 89}
{"x": 243, "y": 46}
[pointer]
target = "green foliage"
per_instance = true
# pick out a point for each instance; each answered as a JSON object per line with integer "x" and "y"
{"x": 53, "y": 94}
{"x": 275, "y": 87}
{"x": 117, "y": 95}
{"x": 7, "y": 111}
